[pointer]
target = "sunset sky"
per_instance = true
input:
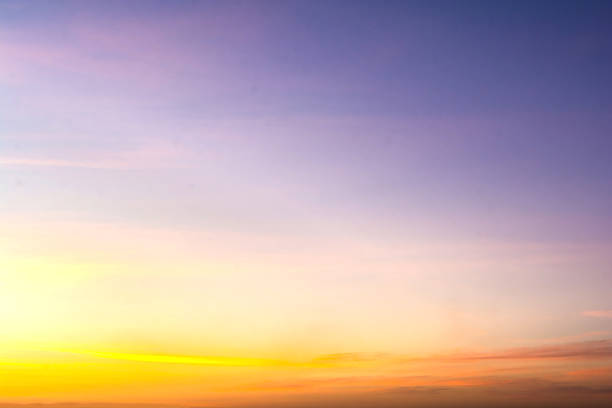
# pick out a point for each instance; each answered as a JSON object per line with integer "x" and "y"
{"x": 305, "y": 203}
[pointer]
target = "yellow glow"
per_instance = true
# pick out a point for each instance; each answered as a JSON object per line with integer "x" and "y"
{"x": 197, "y": 360}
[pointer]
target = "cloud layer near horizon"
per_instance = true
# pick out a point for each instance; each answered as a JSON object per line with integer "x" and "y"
{"x": 548, "y": 374}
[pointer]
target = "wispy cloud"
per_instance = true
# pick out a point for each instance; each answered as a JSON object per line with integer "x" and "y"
{"x": 154, "y": 156}
{"x": 580, "y": 350}
{"x": 604, "y": 314}
{"x": 592, "y": 372}
{"x": 24, "y": 161}
{"x": 192, "y": 360}
{"x": 594, "y": 349}
{"x": 355, "y": 357}
{"x": 591, "y": 335}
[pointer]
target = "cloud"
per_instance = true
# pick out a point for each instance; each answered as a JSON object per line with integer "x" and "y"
{"x": 192, "y": 360}
{"x": 23, "y": 161}
{"x": 592, "y": 372}
{"x": 535, "y": 386}
{"x": 504, "y": 392}
{"x": 604, "y": 314}
{"x": 591, "y": 335}
{"x": 419, "y": 389}
{"x": 580, "y": 350}
{"x": 599, "y": 349}
{"x": 353, "y": 357}
{"x": 154, "y": 155}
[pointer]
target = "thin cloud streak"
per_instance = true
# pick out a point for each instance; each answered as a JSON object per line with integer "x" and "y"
{"x": 16, "y": 161}
{"x": 175, "y": 359}
{"x": 604, "y": 314}
{"x": 143, "y": 158}
{"x": 596, "y": 349}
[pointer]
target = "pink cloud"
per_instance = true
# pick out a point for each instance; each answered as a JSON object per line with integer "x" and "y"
{"x": 152, "y": 156}
{"x": 596, "y": 349}
{"x": 569, "y": 339}
{"x": 604, "y": 314}
{"x": 24, "y": 161}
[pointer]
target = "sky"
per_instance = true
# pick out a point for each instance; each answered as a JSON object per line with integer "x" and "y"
{"x": 305, "y": 203}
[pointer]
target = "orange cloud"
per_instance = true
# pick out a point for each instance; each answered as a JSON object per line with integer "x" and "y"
{"x": 595, "y": 349}
{"x": 592, "y": 372}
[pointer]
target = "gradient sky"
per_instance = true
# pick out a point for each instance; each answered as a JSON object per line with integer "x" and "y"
{"x": 298, "y": 203}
